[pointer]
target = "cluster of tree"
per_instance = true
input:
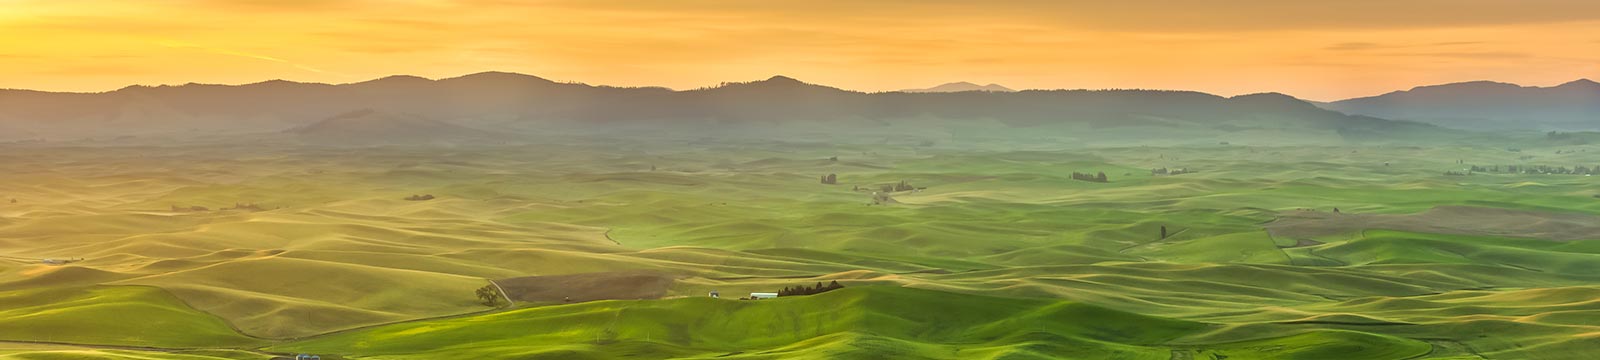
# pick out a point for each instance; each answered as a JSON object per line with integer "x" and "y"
{"x": 1101, "y": 177}
{"x": 490, "y": 296}
{"x": 810, "y": 290}
{"x": 1579, "y": 138}
{"x": 1165, "y": 171}
{"x": 830, "y": 179}
{"x": 1454, "y": 173}
{"x": 1536, "y": 169}
{"x": 415, "y": 197}
{"x": 902, "y": 186}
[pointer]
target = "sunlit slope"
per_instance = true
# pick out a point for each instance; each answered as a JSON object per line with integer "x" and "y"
{"x": 850, "y": 323}
{"x": 70, "y": 353}
{"x": 111, "y": 315}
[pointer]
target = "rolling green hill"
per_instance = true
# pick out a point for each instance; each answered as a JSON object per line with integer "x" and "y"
{"x": 994, "y": 237}
{"x": 111, "y": 315}
{"x": 863, "y": 322}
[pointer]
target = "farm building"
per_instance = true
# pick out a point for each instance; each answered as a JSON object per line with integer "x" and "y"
{"x": 59, "y": 262}
{"x": 763, "y": 295}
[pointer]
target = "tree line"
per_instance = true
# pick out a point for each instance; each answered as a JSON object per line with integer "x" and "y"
{"x": 810, "y": 290}
{"x": 1165, "y": 171}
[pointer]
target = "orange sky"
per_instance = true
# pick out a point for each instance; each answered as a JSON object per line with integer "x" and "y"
{"x": 1318, "y": 50}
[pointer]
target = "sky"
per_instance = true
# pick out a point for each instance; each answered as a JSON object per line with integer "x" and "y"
{"x": 1320, "y": 50}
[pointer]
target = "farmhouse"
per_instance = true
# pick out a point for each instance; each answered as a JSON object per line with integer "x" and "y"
{"x": 754, "y": 296}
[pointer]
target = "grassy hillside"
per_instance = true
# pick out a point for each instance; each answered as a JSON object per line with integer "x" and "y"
{"x": 111, "y": 315}
{"x": 1254, "y": 251}
{"x": 851, "y": 323}
{"x": 59, "y": 352}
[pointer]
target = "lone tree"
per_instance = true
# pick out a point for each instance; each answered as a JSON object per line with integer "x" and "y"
{"x": 490, "y": 295}
{"x": 1163, "y": 232}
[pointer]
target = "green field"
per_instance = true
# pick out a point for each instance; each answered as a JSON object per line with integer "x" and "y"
{"x": 1001, "y": 255}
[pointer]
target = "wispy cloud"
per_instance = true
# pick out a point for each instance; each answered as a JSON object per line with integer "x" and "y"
{"x": 221, "y": 51}
{"x": 1365, "y": 46}
{"x": 1354, "y": 46}
{"x": 1466, "y": 54}
{"x": 94, "y": 70}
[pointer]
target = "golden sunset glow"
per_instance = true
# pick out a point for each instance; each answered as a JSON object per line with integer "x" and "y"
{"x": 1321, "y": 50}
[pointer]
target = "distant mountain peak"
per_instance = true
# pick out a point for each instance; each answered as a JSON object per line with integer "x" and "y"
{"x": 501, "y": 76}
{"x": 1273, "y": 99}
{"x": 400, "y": 78}
{"x": 1267, "y": 95}
{"x": 776, "y": 82}
{"x": 1580, "y": 83}
{"x": 1486, "y": 105}
{"x": 780, "y": 79}
{"x": 1476, "y": 85}
{"x": 961, "y": 86}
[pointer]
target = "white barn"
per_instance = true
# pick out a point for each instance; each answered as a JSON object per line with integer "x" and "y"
{"x": 763, "y": 295}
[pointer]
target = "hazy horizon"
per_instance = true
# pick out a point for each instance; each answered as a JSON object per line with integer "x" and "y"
{"x": 726, "y": 81}
{"x": 1310, "y": 50}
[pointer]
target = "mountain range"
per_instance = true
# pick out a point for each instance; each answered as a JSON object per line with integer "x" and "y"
{"x": 494, "y": 101}
{"x": 1486, "y": 105}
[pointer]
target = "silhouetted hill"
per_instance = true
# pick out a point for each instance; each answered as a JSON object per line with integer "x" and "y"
{"x": 370, "y": 127}
{"x": 960, "y": 87}
{"x": 528, "y": 102}
{"x": 1484, "y": 105}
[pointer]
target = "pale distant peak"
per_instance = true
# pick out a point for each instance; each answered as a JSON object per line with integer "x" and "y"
{"x": 960, "y": 87}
